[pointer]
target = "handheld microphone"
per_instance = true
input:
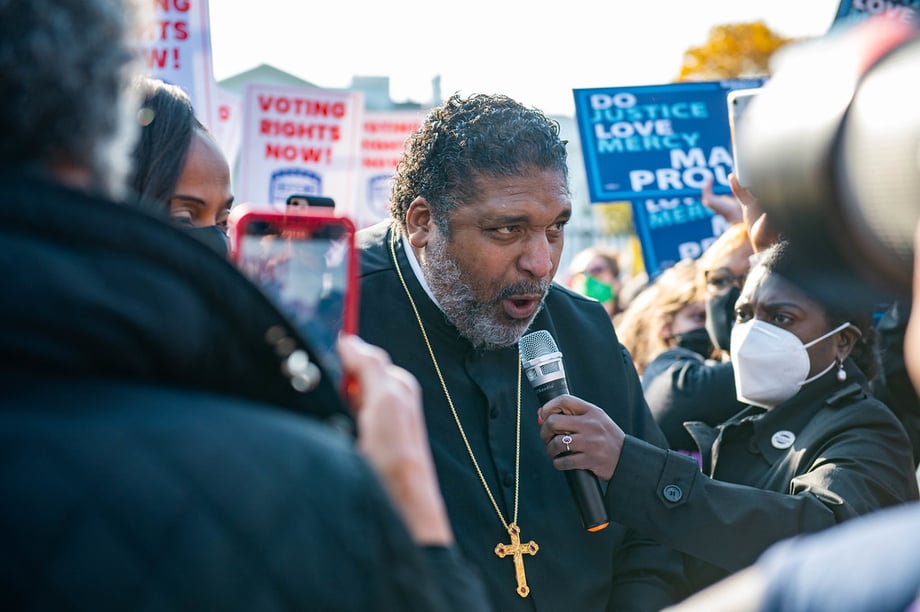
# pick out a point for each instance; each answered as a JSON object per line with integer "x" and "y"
{"x": 542, "y": 363}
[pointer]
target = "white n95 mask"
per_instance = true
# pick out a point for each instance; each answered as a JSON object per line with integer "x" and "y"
{"x": 770, "y": 363}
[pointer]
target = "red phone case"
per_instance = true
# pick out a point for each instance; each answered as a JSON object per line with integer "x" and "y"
{"x": 262, "y": 240}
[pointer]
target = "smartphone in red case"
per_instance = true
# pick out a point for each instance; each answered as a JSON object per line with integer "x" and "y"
{"x": 304, "y": 259}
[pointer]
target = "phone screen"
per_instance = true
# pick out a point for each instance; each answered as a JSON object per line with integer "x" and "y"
{"x": 306, "y": 262}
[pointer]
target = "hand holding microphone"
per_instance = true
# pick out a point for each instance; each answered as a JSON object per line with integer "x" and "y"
{"x": 562, "y": 429}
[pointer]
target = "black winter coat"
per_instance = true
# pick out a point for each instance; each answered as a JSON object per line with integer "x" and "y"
{"x": 153, "y": 453}
{"x": 830, "y": 453}
{"x": 613, "y": 569}
{"x": 680, "y": 385}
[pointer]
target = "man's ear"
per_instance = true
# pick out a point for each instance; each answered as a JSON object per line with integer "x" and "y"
{"x": 419, "y": 223}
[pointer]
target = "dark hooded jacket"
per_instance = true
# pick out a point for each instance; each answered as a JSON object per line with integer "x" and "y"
{"x": 154, "y": 453}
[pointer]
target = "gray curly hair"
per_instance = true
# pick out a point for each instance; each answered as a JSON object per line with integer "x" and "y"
{"x": 66, "y": 69}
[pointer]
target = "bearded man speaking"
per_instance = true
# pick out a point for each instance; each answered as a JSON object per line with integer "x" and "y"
{"x": 449, "y": 286}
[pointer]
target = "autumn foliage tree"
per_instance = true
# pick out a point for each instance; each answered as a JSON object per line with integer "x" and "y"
{"x": 733, "y": 51}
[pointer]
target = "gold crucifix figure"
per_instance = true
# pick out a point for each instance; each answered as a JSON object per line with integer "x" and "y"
{"x": 518, "y": 550}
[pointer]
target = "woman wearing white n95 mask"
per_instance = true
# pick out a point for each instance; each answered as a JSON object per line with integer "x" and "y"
{"x": 811, "y": 449}
{"x": 783, "y": 340}
{"x": 772, "y": 364}
{"x": 812, "y": 433}
{"x": 772, "y": 358}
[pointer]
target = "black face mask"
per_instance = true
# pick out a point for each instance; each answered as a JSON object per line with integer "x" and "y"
{"x": 696, "y": 340}
{"x": 212, "y": 236}
{"x": 720, "y": 316}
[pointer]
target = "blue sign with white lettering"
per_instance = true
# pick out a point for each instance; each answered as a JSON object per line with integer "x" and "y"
{"x": 671, "y": 229}
{"x": 656, "y": 146}
{"x": 850, "y": 10}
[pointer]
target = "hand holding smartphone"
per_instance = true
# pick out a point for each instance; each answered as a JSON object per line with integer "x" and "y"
{"x": 304, "y": 259}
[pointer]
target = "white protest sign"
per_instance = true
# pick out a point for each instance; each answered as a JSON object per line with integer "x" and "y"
{"x": 382, "y": 141}
{"x": 228, "y": 122}
{"x": 298, "y": 140}
{"x": 178, "y": 51}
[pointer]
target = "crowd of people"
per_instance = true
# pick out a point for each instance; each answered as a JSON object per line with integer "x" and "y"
{"x": 172, "y": 441}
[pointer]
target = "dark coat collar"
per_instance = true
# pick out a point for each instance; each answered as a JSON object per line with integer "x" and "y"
{"x": 101, "y": 289}
{"x": 792, "y": 415}
{"x": 795, "y": 414}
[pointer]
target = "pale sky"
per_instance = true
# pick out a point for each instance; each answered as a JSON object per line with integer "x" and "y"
{"x": 532, "y": 53}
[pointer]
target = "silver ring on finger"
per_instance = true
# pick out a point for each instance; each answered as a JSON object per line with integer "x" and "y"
{"x": 567, "y": 440}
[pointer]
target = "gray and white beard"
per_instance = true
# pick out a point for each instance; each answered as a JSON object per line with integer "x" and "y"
{"x": 484, "y": 324}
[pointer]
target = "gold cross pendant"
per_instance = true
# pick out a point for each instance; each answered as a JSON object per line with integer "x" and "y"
{"x": 518, "y": 550}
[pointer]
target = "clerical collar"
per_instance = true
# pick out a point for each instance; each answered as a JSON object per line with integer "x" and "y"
{"x": 417, "y": 270}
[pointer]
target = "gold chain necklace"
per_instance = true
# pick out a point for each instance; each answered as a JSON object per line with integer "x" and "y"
{"x": 516, "y": 549}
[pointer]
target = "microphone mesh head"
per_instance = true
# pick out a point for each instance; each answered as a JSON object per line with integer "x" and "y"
{"x": 536, "y": 344}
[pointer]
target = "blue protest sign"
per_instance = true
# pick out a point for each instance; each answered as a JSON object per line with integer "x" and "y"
{"x": 656, "y": 146}
{"x": 850, "y": 10}
{"x": 671, "y": 229}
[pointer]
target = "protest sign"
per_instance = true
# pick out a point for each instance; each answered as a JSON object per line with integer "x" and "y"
{"x": 383, "y": 138}
{"x": 300, "y": 140}
{"x": 850, "y": 10}
{"x": 656, "y": 146}
{"x": 177, "y": 50}
{"x": 228, "y": 123}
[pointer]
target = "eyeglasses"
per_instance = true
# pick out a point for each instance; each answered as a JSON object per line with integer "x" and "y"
{"x": 595, "y": 270}
{"x": 719, "y": 281}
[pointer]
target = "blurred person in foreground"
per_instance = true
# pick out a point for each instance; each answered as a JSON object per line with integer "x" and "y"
{"x": 811, "y": 450}
{"x": 686, "y": 385}
{"x": 449, "y": 286}
{"x": 178, "y": 167}
{"x": 166, "y": 444}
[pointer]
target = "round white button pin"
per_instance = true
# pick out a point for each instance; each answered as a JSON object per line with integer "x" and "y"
{"x": 782, "y": 439}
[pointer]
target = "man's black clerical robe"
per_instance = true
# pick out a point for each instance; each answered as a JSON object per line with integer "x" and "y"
{"x": 573, "y": 569}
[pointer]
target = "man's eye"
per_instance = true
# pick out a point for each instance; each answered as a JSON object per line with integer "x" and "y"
{"x": 506, "y": 230}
